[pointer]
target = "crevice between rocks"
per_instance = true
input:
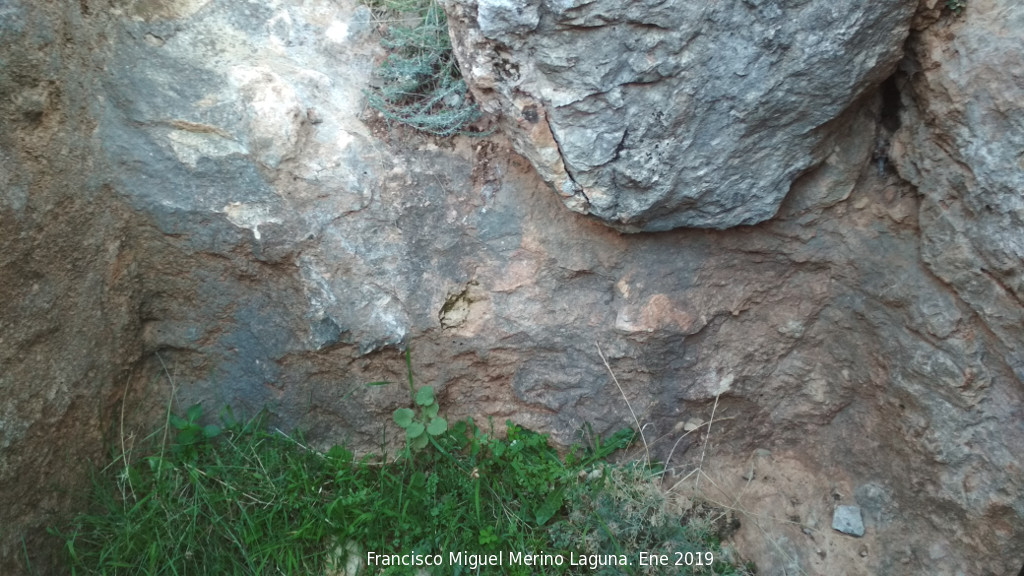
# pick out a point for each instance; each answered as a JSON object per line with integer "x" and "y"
{"x": 576, "y": 189}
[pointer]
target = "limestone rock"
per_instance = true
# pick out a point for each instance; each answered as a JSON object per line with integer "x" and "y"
{"x": 194, "y": 191}
{"x": 963, "y": 130}
{"x": 848, "y": 520}
{"x": 657, "y": 115}
{"x": 959, "y": 144}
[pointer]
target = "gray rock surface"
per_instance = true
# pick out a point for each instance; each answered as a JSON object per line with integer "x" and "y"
{"x": 848, "y": 520}
{"x": 960, "y": 144}
{"x": 227, "y": 216}
{"x": 661, "y": 114}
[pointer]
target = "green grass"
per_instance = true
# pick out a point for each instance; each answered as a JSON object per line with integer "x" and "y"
{"x": 241, "y": 499}
{"x": 421, "y": 85}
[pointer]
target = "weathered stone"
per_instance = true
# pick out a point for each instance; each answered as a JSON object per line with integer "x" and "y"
{"x": 657, "y": 115}
{"x": 226, "y": 212}
{"x": 960, "y": 145}
{"x": 69, "y": 284}
{"x": 847, "y": 519}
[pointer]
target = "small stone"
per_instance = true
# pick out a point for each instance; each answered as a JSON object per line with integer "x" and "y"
{"x": 452, "y": 100}
{"x": 863, "y": 551}
{"x": 692, "y": 424}
{"x": 848, "y": 520}
{"x": 749, "y": 474}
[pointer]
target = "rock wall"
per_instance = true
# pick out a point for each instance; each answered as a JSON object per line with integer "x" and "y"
{"x": 960, "y": 145}
{"x": 68, "y": 279}
{"x": 227, "y": 199}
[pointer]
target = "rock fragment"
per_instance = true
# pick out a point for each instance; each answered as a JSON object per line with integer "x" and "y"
{"x": 848, "y": 520}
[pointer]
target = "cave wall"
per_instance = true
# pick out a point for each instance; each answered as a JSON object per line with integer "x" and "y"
{"x": 200, "y": 194}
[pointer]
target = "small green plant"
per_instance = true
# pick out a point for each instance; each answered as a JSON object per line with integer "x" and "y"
{"x": 956, "y": 6}
{"x": 423, "y": 422}
{"x": 190, "y": 434}
{"x": 421, "y": 85}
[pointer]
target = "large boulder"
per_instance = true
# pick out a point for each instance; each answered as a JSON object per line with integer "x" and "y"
{"x": 661, "y": 114}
